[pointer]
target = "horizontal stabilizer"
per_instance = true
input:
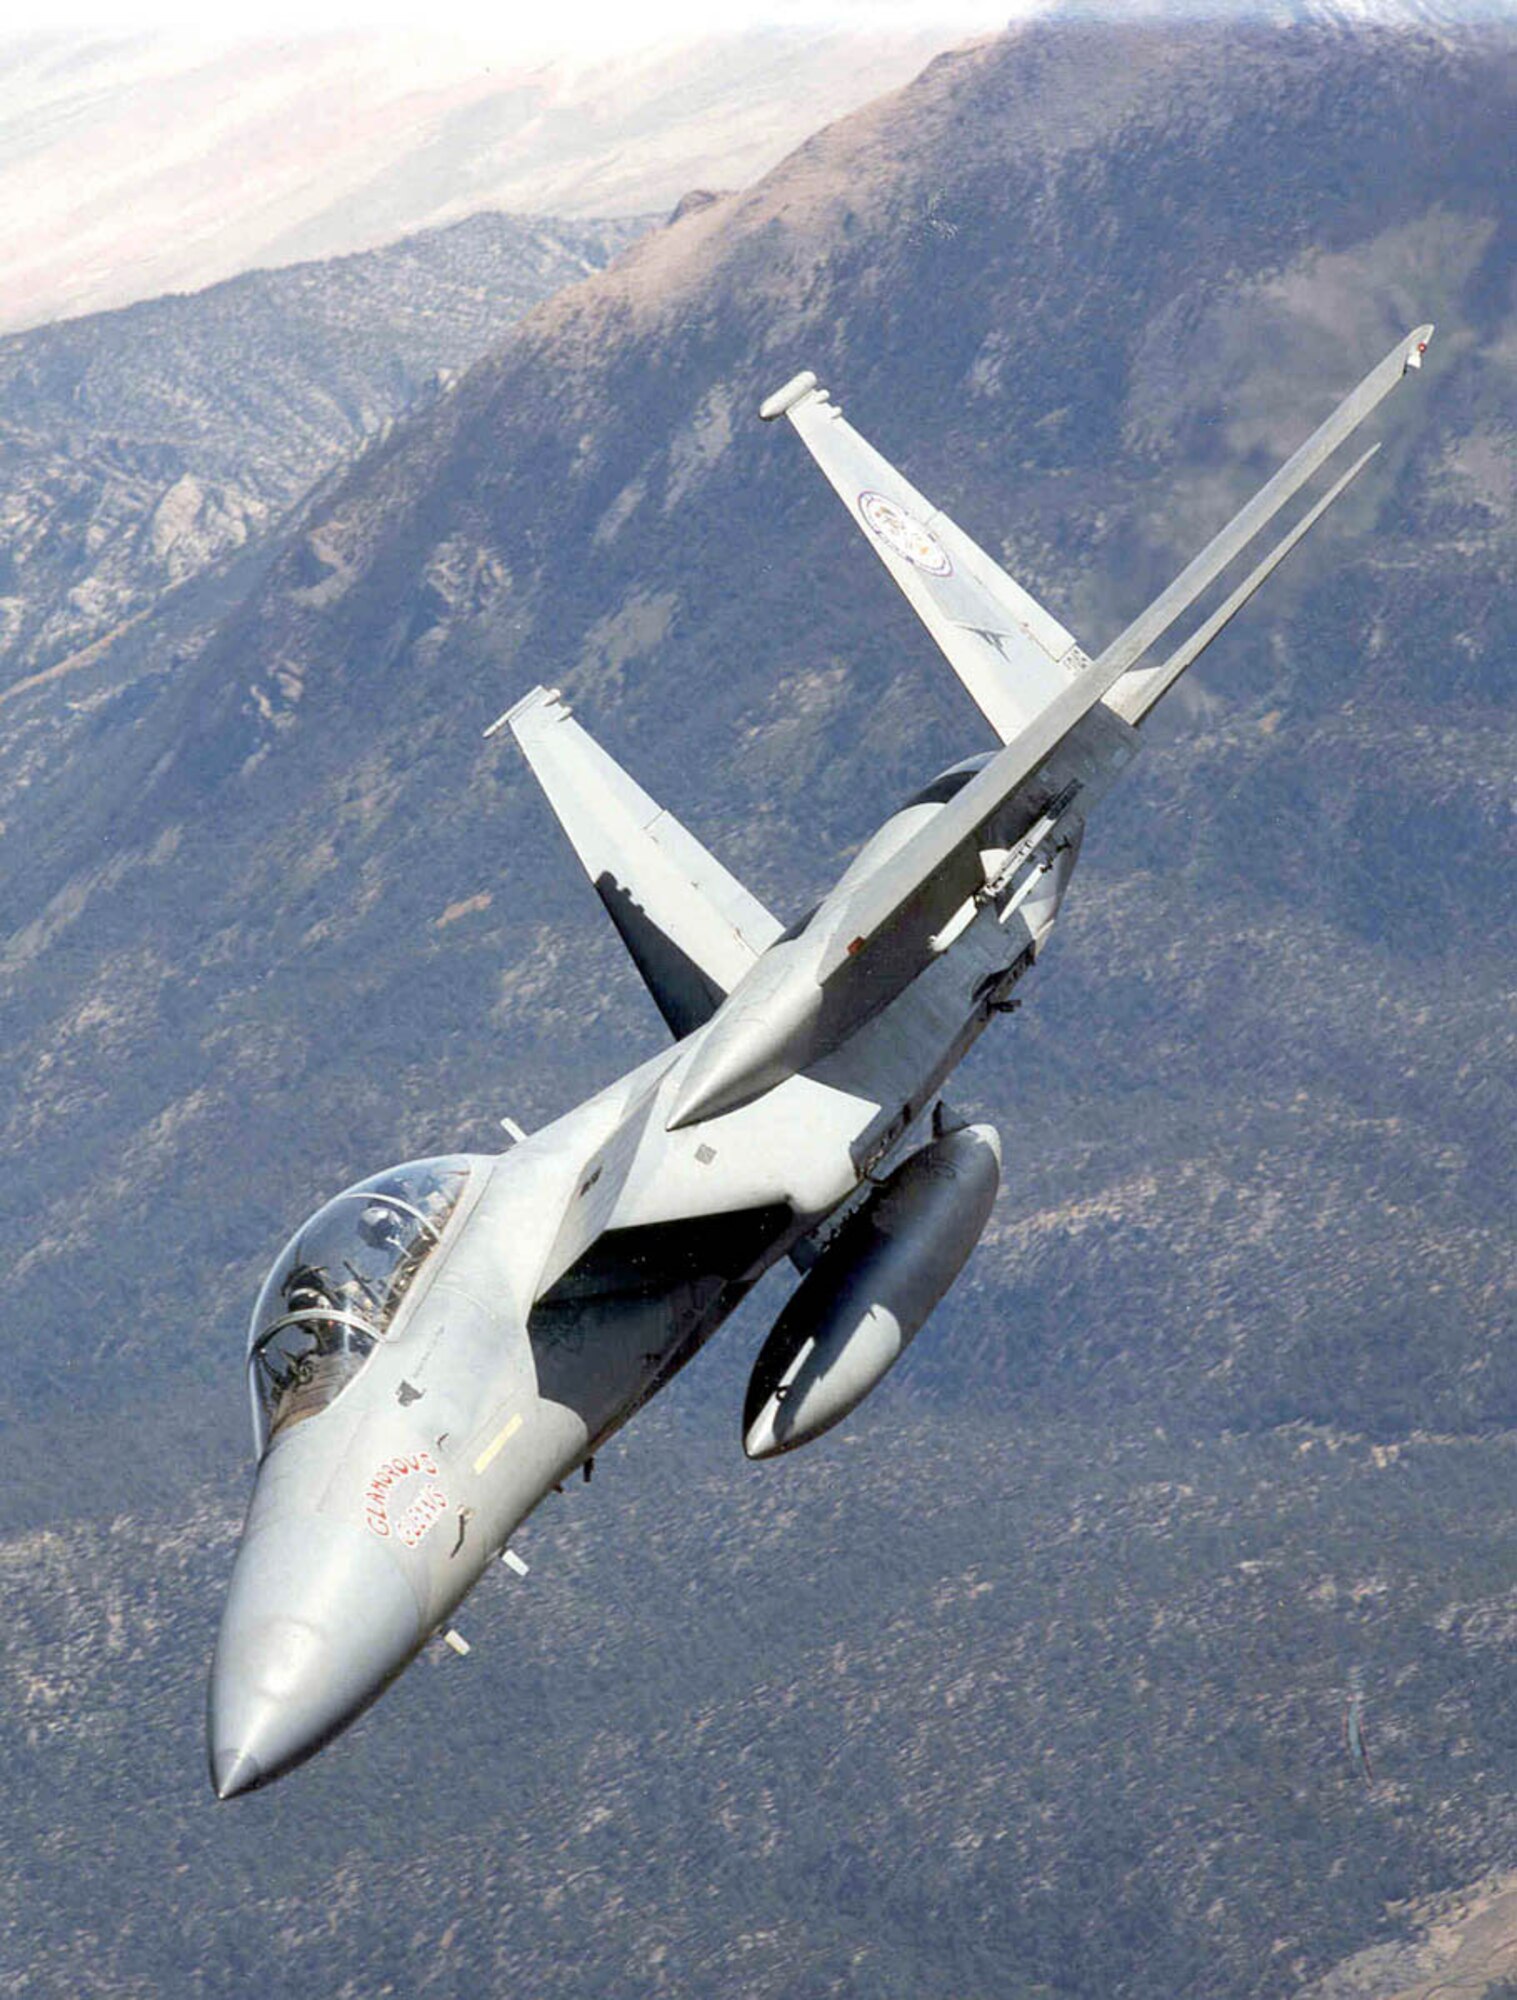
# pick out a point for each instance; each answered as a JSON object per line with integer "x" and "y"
{"x": 1012, "y": 656}
{"x": 876, "y": 899}
{"x": 691, "y": 929}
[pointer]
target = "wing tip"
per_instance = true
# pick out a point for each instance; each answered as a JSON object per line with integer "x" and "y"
{"x": 788, "y": 396}
{"x": 539, "y": 698}
{"x": 1417, "y": 342}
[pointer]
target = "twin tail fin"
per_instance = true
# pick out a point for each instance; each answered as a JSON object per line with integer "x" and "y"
{"x": 691, "y": 929}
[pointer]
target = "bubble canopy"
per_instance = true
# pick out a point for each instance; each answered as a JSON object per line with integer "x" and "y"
{"x": 338, "y": 1285}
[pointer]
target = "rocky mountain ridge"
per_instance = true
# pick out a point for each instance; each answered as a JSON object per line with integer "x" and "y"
{"x": 142, "y": 447}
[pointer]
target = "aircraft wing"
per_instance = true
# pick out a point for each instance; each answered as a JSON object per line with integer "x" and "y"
{"x": 1140, "y": 687}
{"x": 866, "y": 911}
{"x": 691, "y": 929}
{"x": 1012, "y": 656}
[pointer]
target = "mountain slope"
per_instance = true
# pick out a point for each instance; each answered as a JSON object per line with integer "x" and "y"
{"x": 142, "y": 446}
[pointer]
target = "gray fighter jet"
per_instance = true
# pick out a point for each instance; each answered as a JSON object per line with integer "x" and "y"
{"x": 443, "y": 1344}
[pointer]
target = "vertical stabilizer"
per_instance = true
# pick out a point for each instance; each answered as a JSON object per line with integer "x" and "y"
{"x": 691, "y": 929}
{"x": 1012, "y": 656}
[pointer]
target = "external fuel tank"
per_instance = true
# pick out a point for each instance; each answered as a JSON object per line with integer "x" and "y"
{"x": 871, "y": 1291}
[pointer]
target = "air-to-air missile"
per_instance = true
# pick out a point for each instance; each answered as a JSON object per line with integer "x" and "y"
{"x": 441, "y": 1345}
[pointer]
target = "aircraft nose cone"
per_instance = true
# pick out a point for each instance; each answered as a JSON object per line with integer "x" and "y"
{"x": 233, "y": 1771}
{"x": 319, "y": 1619}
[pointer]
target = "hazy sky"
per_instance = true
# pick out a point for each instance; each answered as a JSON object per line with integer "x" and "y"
{"x": 142, "y": 154}
{"x": 579, "y": 25}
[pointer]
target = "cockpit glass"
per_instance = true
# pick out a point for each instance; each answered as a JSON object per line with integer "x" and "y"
{"x": 337, "y": 1287}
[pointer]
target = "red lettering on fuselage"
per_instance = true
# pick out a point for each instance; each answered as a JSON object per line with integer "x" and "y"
{"x": 376, "y": 1509}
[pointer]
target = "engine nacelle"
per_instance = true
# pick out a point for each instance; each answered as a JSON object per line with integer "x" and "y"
{"x": 871, "y": 1291}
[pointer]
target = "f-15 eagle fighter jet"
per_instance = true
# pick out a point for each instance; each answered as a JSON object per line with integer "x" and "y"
{"x": 443, "y": 1344}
